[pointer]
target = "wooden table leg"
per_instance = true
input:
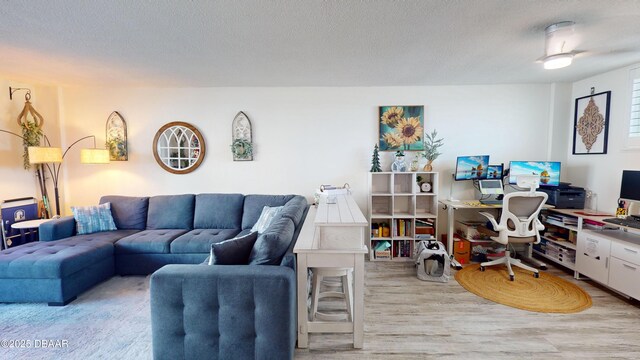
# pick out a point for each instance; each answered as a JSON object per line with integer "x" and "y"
{"x": 358, "y": 301}
{"x": 303, "y": 318}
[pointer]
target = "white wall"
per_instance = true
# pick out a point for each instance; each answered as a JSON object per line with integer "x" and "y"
{"x": 602, "y": 173}
{"x": 15, "y": 181}
{"x": 303, "y": 137}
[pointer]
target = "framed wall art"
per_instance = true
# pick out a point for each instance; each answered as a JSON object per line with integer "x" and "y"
{"x": 591, "y": 124}
{"x": 401, "y": 128}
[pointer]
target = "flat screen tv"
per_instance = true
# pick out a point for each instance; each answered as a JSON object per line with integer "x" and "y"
{"x": 630, "y": 185}
{"x": 472, "y": 167}
{"x": 495, "y": 171}
{"x": 549, "y": 171}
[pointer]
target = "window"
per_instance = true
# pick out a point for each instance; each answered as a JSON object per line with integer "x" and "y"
{"x": 633, "y": 139}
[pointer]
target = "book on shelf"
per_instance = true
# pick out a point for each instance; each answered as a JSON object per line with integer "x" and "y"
{"x": 425, "y": 227}
{"x": 382, "y": 245}
{"x": 402, "y": 248}
{"x": 402, "y": 227}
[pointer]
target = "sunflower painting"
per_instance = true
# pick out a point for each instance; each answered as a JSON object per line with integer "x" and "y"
{"x": 401, "y": 128}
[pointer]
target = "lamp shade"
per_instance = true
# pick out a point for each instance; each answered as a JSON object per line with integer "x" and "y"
{"x": 94, "y": 156}
{"x": 43, "y": 154}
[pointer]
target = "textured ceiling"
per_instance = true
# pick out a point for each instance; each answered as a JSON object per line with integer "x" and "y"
{"x": 308, "y": 42}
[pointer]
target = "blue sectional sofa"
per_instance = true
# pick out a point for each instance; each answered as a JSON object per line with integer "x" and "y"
{"x": 197, "y": 311}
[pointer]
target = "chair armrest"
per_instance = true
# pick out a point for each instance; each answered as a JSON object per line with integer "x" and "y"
{"x": 495, "y": 225}
{"x": 57, "y": 229}
{"x": 238, "y": 310}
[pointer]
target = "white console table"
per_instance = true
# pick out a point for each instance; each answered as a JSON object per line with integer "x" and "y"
{"x": 332, "y": 236}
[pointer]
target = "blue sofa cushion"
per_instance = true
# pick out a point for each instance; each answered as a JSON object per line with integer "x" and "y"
{"x": 171, "y": 212}
{"x": 234, "y": 251}
{"x": 106, "y": 237}
{"x": 200, "y": 240}
{"x": 218, "y": 211}
{"x": 129, "y": 212}
{"x": 56, "y": 229}
{"x": 273, "y": 243}
{"x": 253, "y": 205}
{"x": 148, "y": 242}
{"x": 51, "y": 260}
{"x": 92, "y": 219}
{"x": 294, "y": 209}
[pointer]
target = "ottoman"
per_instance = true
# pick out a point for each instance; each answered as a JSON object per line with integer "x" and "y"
{"x": 54, "y": 272}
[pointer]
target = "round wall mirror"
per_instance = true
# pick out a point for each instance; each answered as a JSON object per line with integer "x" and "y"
{"x": 178, "y": 147}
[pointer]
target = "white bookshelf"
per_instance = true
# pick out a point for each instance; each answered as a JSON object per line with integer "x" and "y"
{"x": 395, "y": 199}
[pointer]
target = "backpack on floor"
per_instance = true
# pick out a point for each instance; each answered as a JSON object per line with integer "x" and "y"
{"x": 432, "y": 261}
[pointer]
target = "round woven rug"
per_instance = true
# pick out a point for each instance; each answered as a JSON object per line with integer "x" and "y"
{"x": 547, "y": 294}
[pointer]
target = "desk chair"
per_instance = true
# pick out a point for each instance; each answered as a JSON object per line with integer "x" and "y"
{"x": 519, "y": 224}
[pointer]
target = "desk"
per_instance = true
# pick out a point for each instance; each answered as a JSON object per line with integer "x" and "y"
{"x": 453, "y": 205}
{"x": 332, "y": 236}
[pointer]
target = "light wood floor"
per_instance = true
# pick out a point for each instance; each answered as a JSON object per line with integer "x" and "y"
{"x": 406, "y": 318}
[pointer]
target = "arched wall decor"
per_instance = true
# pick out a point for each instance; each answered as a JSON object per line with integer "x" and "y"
{"x": 179, "y": 147}
{"x": 116, "y": 135}
{"x": 242, "y": 145}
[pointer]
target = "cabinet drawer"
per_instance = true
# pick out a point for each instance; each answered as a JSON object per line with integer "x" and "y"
{"x": 626, "y": 251}
{"x": 625, "y": 277}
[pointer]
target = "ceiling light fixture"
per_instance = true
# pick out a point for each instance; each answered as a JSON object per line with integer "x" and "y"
{"x": 559, "y": 44}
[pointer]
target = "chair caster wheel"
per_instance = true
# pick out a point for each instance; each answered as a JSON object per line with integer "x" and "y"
{"x": 512, "y": 277}
{"x": 536, "y": 275}
{"x": 482, "y": 268}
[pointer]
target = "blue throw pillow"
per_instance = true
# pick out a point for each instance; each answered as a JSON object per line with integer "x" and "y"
{"x": 273, "y": 243}
{"x": 234, "y": 251}
{"x": 92, "y": 219}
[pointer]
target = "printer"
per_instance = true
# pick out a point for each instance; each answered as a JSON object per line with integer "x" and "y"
{"x": 565, "y": 197}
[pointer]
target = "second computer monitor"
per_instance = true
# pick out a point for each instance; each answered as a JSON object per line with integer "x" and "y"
{"x": 495, "y": 171}
{"x": 549, "y": 171}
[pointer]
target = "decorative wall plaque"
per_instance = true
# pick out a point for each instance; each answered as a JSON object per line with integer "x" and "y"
{"x": 591, "y": 124}
{"x": 241, "y": 147}
{"x": 116, "y": 135}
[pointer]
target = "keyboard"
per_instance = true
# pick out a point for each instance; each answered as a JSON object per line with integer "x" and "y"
{"x": 629, "y": 222}
{"x": 491, "y": 202}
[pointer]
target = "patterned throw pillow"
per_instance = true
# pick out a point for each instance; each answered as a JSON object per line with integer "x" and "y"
{"x": 91, "y": 219}
{"x": 266, "y": 217}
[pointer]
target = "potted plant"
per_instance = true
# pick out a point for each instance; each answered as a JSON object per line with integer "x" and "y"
{"x": 31, "y": 134}
{"x": 431, "y": 146}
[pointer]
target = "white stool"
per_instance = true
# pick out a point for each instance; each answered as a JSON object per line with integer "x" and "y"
{"x": 345, "y": 275}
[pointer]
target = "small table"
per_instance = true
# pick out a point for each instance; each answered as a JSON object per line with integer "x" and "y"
{"x": 28, "y": 224}
{"x": 332, "y": 236}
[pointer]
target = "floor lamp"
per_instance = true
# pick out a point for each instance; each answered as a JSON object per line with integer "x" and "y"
{"x": 51, "y": 158}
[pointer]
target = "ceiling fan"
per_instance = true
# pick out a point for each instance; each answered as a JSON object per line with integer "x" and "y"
{"x": 560, "y": 43}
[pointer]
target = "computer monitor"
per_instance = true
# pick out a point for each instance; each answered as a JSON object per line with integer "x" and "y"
{"x": 491, "y": 187}
{"x": 471, "y": 167}
{"x": 549, "y": 171}
{"x": 495, "y": 171}
{"x": 630, "y": 186}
